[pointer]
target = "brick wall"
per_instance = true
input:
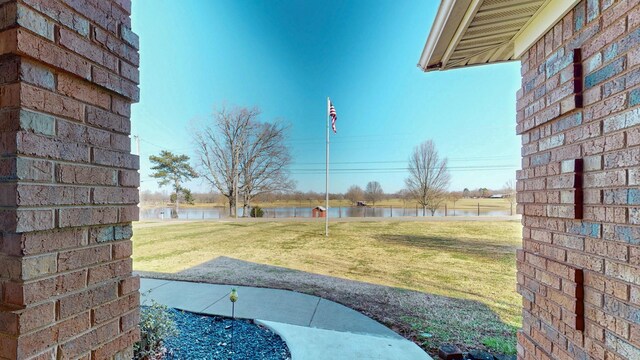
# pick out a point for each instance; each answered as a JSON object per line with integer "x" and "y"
{"x": 68, "y": 183}
{"x": 579, "y": 116}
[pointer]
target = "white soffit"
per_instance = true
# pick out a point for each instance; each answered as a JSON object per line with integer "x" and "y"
{"x": 477, "y": 32}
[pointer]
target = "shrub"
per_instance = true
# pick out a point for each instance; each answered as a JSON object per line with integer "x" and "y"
{"x": 156, "y": 324}
{"x": 257, "y": 212}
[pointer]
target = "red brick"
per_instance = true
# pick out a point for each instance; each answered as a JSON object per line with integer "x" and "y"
{"x": 43, "y": 195}
{"x": 35, "y": 317}
{"x": 33, "y": 343}
{"x": 77, "y": 133}
{"x": 62, "y": 14}
{"x": 88, "y": 341}
{"x": 32, "y": 220}
{"x": 130, "y": 285}
{"x": 73, "y": 326}
{"x": 129, "y": 178}
{"x": 44, "y": 242}
{"x": 121, "y": 106}
{"x": 116, "y": 84}
{"x": 37, "y": 75}
{"x": 58, "y": 160}
{"x": 49, "y": 102}
{"x": 129, "y": 72}
{"x": 108, "y": 120}
{"x": 605, "y": 37}
{"x": 115, "y": 159}
{"x": 103, "y": 195}
{"x": 8, "y": 42}
{"x": 85, "y": 175}
{"x": 83, "y": 91}
{"x": 120, "y": 142}
{"x": 10, "y": 95}
{"x": 114, "y": 309}
{"x": 51, "y": 54}
{"x": 129, "y": 213}
{"x": 131, "y": 320}
{"x": 108, "y": 271}
{"x": 80, "y": 302}
{"x": 117, "y": 46}
{"x": 605, "y": 108}
{"x": 101, "y": 12}
{"x": 84, "y": 47}
{"x": 122, "y": 250}
{"x": 37, "y": 145}
{"x": 68, "y": 217}
{"x": 113, "y": 347}
{"x": 76, "y": 259}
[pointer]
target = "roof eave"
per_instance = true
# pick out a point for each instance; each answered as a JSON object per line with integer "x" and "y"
{"x": 450, "y": 14}
{"x": 455, "y": 17}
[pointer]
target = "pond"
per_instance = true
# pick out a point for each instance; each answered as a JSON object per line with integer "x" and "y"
{"x": 209, "y": 213}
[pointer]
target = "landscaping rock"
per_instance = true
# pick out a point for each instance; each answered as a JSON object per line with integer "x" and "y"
{"x": 450, "y": 352}
{"x": 220, "y": 338}
{"x": 505, "y": 357}
{"x": 480, "y": 355}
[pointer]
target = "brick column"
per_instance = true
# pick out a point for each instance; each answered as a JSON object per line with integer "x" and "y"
{"x": 579, "y": 116}
{"x": 68, "y": 183}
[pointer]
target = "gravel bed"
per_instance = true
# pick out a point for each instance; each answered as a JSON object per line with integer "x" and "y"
{"x": 210, "y": 337}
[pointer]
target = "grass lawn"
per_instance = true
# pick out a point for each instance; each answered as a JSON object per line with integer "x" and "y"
{"x": 472, "y": 261}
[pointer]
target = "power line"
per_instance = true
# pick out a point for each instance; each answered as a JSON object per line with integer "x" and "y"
{"x": 396, "y": 170}
{"x": 404, "y": 168}
{"x": 468, "y": 159}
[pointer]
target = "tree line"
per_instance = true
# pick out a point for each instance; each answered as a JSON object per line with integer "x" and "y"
{"x": 243, "y": 158}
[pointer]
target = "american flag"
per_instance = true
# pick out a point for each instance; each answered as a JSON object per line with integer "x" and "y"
{"x": 334, "y": 117}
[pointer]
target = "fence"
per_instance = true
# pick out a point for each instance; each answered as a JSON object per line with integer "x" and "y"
{"x": 215, "y": 213}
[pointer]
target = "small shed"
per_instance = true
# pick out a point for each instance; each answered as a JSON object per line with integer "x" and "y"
{"x": 319, "y": 212}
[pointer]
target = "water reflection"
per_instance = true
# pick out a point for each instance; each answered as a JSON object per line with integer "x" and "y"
{"x": 305, "y": 212}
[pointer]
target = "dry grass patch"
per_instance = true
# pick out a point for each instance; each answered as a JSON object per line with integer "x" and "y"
{"x": 473, "y": 262}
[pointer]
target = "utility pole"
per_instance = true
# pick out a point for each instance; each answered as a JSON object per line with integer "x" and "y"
{"x": 137, "y": 138}
{"x": 236, "y": 191}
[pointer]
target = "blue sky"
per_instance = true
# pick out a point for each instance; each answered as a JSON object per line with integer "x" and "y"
{"x": 286, "y": 57}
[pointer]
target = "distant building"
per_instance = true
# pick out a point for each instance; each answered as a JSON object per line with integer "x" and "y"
{"x": 319, "y": 212}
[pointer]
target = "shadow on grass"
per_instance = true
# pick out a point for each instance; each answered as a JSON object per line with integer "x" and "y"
{"x": 476, "y": 247}
{"x": 427, "y": 319}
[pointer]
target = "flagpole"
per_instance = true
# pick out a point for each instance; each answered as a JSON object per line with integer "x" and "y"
{"x": 326, "y": 215}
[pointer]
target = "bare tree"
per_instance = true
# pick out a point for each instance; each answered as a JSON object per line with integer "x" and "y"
{"x": 454, "y": 196}
{"x": 404, "y": 195}
{"x": 354, "y": 194}
{"x": 239, "y": 155}
{"x": 373, "y": 192}
{"x": 510, "y": 193}
{"x": 428, "y": 176}
{"x": 264, "y": 162}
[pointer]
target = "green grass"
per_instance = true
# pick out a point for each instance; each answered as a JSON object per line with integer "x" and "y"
{"x": 461, "y": 260}
{"x": 499, "y": 345}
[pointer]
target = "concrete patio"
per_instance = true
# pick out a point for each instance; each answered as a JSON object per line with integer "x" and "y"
{"x": 312, "y": 327}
